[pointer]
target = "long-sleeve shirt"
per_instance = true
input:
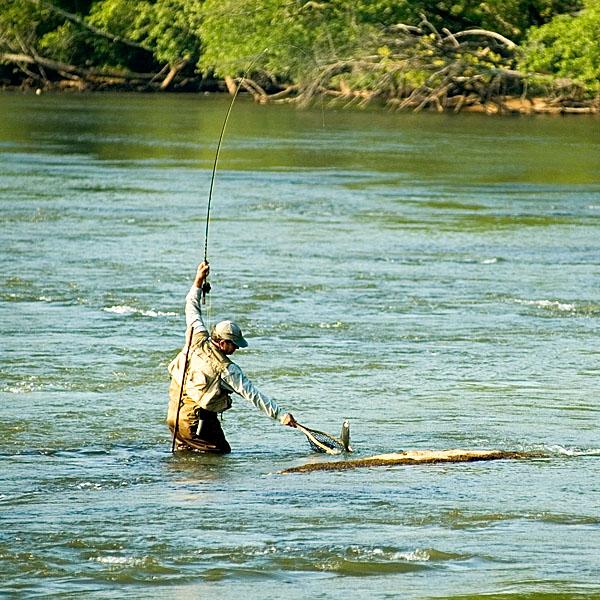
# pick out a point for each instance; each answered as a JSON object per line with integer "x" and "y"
{"x": 233, "y": 378}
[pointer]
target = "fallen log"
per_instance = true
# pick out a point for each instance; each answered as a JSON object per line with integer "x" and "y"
{"x": 413, "y": 457}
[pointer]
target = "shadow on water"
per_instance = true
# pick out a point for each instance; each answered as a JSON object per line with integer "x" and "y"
{"x": 195, "y": 467}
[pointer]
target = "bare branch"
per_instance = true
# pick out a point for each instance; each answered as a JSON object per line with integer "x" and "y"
{"x": 430, "y": 26}
{"x": 485, "y": 33}
{"x": 254, "y": 89}
{"x": 412, "y": 29}
{"x": 285, "y": 93}
{"x": 450, "y": 36}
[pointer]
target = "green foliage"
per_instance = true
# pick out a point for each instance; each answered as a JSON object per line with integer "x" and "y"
{"x": 74, "y": 44}
{"x": 290, "y": 37}
{"x": 300, "y": 34}
{"x": 508, "y": 17}
{"x": 167, "y": 27}
{"x": 61, "y": 43}
{"x": 346, "y": 43}
{"x": 20, "y": 23}
{"x": 170, "y": 28}
{"x": 114, "y": 15}
{"x": 568, "y": 47}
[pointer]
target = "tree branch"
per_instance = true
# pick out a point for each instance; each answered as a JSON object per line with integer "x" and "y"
{"x": 172, "y": 74}
{"x": 484, "y": 32}
{"x": 60, "y": 67}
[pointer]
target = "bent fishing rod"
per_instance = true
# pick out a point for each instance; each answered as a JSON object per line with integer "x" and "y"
{"x": 206, "y": 285}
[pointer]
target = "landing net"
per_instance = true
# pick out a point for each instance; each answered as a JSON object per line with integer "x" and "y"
{"x": 323, "y": 442}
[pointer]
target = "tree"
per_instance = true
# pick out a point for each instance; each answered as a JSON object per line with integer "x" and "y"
{"x": 108, "y": 35}
{"x": 289, "y": 38}
{"x": 567, "y": 47}
{"x": 428, "y": 51}
{"x": 297, "y": 34}
{"x": 166, "y": 27}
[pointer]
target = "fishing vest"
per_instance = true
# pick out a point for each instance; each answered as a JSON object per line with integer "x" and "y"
{"x": 203, "y": 387}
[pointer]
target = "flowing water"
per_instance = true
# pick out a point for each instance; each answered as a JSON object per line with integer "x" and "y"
{"x": 432, "y": 278}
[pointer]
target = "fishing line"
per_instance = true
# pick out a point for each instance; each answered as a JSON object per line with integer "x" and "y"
{"x": 313, "y": 60}
{"x": 206, "y": 285}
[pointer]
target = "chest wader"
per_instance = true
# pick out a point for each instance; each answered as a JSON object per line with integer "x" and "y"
{"x": 198, "y": 428}
{"x": 210, "y": 432}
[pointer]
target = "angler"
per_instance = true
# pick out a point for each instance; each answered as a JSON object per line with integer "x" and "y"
{"x": 203, "y": 377}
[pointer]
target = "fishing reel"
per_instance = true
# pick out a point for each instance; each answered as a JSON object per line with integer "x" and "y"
{"x": 206, "y": 287}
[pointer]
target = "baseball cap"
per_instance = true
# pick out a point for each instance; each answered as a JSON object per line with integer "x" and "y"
{"x": 228, "y": 330}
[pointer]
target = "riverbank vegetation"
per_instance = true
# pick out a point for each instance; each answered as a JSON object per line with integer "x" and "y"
{"x": 499, "y": 55}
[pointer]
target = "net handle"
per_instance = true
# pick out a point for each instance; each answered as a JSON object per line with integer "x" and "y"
{"x": 309, "y": 434}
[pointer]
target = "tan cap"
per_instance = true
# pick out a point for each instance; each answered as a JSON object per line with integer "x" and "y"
{"x": 228, "y": 330}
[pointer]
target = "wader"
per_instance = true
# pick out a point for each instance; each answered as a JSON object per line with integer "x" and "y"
{"x": 195, "y": 420}
{"x": 206, "y": 436}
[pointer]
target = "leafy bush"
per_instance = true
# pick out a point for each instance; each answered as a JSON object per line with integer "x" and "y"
{"x": 167, "y": 28}
{"x": 568, "y": 47}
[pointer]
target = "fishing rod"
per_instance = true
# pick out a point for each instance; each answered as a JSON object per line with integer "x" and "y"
{"x": 183, "y": 378}
{"x": 206, "y": 285}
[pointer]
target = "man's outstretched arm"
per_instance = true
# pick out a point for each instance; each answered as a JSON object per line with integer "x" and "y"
{"x": 235, "y": 378}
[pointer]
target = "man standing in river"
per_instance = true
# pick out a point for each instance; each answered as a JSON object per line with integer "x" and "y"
{"x": 210, "y": 379}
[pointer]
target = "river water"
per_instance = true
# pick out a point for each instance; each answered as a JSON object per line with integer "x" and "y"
{"x": 432, "y": 278}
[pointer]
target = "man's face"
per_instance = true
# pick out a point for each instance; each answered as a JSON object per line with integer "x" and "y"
{"x": 227, "y": 346}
